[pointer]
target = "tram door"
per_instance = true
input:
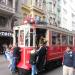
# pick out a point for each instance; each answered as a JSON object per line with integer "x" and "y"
{"x": 25, "y": 38}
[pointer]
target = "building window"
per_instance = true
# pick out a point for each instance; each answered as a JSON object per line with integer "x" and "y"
{"x": 54, "y": 3}
{"x": 64, "y": 1}
{"x": 40, "y": 4}
{"x": 44, "y": 5}
{"x": 50, "y": 6}
{"x": 58, "y": 9}
{"x": 3, "y": 1}
{"x": 16, "y": 5}
{"x": 10, "y": 2}
{"x": 44, "y": 1}
{"x": 24, "y": 1}
{"x": 3, "y": 21}
{"x": 36, "y": 2}
{"x": 71, "y": 0}
{"x": 58, "y": 0}
{"x": 64, "y": 11}
{"x": 58, "y": 21}
{"x": 50, "y": 20}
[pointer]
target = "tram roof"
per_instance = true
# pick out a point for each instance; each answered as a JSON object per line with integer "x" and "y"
{"x": 51, "y": 27}
{"x": 54, "y": 28}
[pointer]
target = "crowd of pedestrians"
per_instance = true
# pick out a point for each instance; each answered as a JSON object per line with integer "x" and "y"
{"x": 38, "y": 58}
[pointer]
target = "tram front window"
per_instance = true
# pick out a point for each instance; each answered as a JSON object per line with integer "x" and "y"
{"x": 16, "y": 36}
{"x": 26, "y": 37}
{"x": 31, "y": 37}
{"x": 22, "y": 37}
{"x": 26, "y": 41}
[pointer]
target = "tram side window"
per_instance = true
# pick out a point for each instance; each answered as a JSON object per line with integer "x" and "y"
{"x": 54, "y": 36}
{"x": 64, "y": 39}
{"x": 71, "y": 40}
{"x": 31, "y": 37}
{"x": 58, "y": 39}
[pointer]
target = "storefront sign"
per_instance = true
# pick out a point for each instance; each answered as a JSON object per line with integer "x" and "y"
{"x": 5, "y": 34}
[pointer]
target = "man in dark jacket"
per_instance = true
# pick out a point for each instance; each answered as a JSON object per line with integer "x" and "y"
{"x": 33, "y": 57}
{"x": 68, "y": 62}
{"x": 41, "y": 56}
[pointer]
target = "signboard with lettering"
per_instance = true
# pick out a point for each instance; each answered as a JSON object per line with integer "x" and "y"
{"x": 6, "y": 34}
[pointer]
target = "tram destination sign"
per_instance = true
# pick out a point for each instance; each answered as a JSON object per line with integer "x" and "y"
{"x": 6, "y": 34}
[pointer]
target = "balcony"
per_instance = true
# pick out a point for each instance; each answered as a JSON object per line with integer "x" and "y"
{"x": 7, "y": 7}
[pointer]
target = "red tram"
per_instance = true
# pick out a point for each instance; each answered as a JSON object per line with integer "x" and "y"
{"x": 57, "y": 39}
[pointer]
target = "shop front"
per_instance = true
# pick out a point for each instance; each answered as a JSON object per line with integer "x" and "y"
{"x": 5, "y": 38}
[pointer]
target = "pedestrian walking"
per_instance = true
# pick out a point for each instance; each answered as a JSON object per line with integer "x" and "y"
{"x": 33, "y": 57}
{"x": 16, "y": 58}
{"x": 8, "y": 56}
{"x": 69, "y": 61}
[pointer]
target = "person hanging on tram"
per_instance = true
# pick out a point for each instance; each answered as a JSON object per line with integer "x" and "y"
{"x": 41, "y": 56}
{"x": 33, "y": 58}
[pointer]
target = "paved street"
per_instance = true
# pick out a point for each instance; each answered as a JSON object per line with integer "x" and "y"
{"x": 57, "y": 71}
{"x": 4, "y": 67}
{"x": 5, "y": 71}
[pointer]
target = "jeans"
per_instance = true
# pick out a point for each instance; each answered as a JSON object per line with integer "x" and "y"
{"x": 14, "y": 64}
{"x": 34, "y": 70}
{"x": 5, "y": 56}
